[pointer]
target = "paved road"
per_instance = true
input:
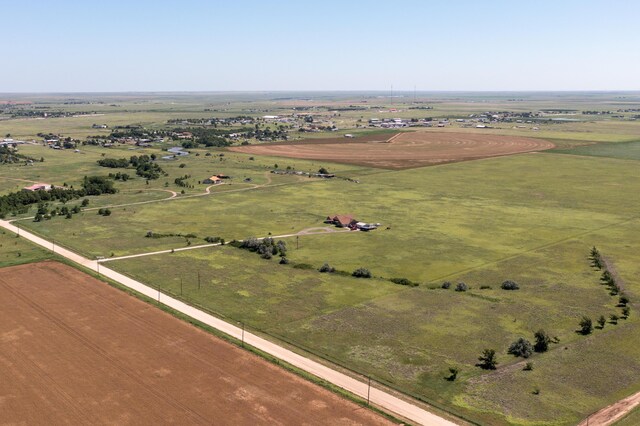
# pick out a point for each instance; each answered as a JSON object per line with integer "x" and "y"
{"x": 377, "y": 397}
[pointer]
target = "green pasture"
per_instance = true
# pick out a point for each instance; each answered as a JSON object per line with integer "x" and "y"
{"x": 622, "y": 150}
{"x": 15, "y": 250}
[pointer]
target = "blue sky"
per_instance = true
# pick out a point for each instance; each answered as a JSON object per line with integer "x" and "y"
{"x": 190, "y": 45}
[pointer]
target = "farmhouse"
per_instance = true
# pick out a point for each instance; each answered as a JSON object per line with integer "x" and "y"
{"x": 212, "y": 180}
{"x": 341, "y": 220}
{"x": 37, "y": 187}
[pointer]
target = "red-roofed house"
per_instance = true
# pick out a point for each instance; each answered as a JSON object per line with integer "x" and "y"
{"x": 341, "y": 220}
{"x": 37, "y": 187}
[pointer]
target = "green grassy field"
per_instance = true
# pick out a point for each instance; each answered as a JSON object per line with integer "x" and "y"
{"x": 623, "y": 150}
{"x": 15, "y": 250}
{"x": 530, "y": 218}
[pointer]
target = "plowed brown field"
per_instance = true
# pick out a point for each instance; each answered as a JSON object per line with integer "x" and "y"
{"x": 404, "y": 150}
{"x": 75, "y": 351}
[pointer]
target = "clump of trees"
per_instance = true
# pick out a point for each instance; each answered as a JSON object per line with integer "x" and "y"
{"x": 20, "y": 201}
{"x": 104, "y": 212}
{"x": 144, "y": 165}
{"x": 446, "y": 285}
{"x": 214, "y": 240}
{"x": 266, "y": 247}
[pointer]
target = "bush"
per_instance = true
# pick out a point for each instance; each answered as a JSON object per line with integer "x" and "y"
{"x": 461, "y": 287}
{"x": 510, "y": 285}
{"x": 528, "y": 366}
{"x": 601, "y": 321}
{"x": 625, "y": 312}
{"x": 361, "y": 273}
{"x": 521, "y": 347}
{"x": 326, "y": 268}
{"x": 542, "y": 341}
{"x": 487, "y": 360}
{"x": 586, "y": 325}
{"x": 453, "y": 374}
{"x": 403, "y": 281}
{"x": 284, "y": 261}
{"x": 446, "y": 285}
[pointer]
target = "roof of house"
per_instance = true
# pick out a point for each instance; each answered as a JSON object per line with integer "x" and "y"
{"x": 214, "y": 178}
{"x": 37, "y": 186}
{"x": 343, "y": 219}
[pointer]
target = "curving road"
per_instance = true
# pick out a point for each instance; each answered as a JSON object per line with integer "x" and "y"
{"x": 377, "y": 397}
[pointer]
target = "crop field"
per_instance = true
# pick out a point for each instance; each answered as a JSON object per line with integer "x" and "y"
{"x": 526, "y": 212}
{"x": 405, "y": 150}
{"x": 78, "y": 351}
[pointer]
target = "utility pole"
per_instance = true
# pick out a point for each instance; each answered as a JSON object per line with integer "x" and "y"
{"x": 297, "y": 242}
{"x": 369, "y": 391}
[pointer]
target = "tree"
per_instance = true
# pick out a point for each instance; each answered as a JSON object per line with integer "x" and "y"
{"x": 613, "y": 319}
{"x": 586, "y": 325}
{"x": 361, "y": 273}
{"x": 602, "y": 321}
{"x": 542, "y": 341}
{"x": 625, "y": 312}
{"x": 510, "y": 285}
{"x": 327, "y": 268}
{"x": 623, "y": 300}
{"x": 461, "y": 287}
{"x": 446, "y": 285}
{"x": 453, "y": 374}
{"x": 85, "y": 202}
{"x": 487, "y": 360}
{"x": 323, "y": 171}
{"x": 521, "y": 347}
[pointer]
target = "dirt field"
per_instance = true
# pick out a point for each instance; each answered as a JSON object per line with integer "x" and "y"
{"x": 76, "y": 351}
{"x": 403, "y": 151}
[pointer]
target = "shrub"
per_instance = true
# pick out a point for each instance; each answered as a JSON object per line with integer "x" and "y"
{"x": 326, "y": 268}
{"x": 303, "y": 266}
{"x": 542, "y": 341}
{"x": 521, "y": 347}
{"x": 625, "y": 312}
{"x": 453, "y": 374}
{"x": 284, "y": 261}
{"x": 601, "y": 321}
{"x": 361, "y": 273}
{"x": 613, "y": 319}
{"x": 510, "y": 285}
{"x": 528, "y": 366}
{"x": 586, "y": 325}
{"x": 403, "y": 281}
{"x": 487, "y": 360}
{"x": 461, "y": 287}
{"x": 446, "y": 285}
{"x": 623, "y": 300}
